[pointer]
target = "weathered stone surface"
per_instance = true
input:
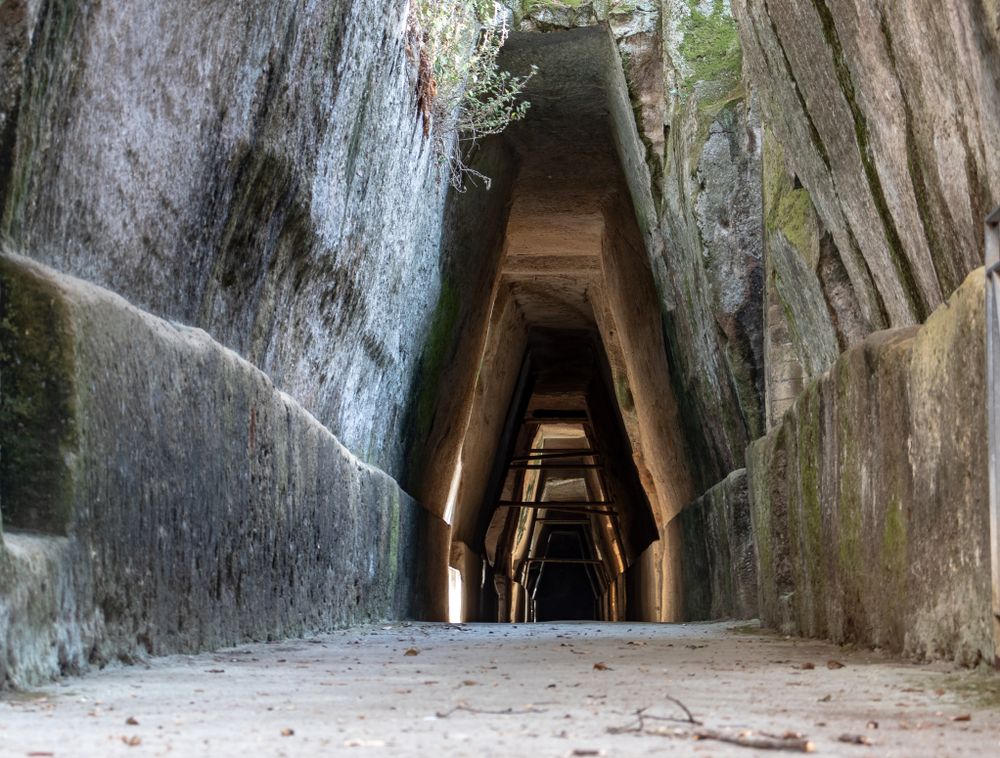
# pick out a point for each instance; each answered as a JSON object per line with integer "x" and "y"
{"x": 17, "y": 24}
{"x": 869, "y": 501}
{"x": 702, "y": 144}
{"x": 886, "y": 113}
{"x": 720, "y": 564}
{"x": 711, "y": 274}
{"x": 255, "y": 169}
{"x": 803, "y": 311}
{"x": 205, "y": 506}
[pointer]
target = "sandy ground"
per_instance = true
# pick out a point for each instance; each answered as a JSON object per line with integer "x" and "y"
{"x": 524, "y": 690}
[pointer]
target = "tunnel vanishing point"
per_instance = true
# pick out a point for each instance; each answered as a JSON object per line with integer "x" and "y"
{"x": 712, "y": 344}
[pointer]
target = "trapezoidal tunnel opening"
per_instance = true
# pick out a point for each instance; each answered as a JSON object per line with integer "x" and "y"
{"x": 564, "y": 515}
{"x": 559, "y": 463}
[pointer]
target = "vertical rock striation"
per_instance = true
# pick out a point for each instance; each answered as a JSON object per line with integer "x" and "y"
{"x": 720, "y": 563}
{"x": 884, "y": 112}
{"x": 255, "y": 169}
{"x": 711, "y": 274}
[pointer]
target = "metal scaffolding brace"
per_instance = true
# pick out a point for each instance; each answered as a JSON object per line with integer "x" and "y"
{"x": 993, "y": 400}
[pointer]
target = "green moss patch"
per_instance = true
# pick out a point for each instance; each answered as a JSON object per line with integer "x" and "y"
{"x": 711, "y": 46}
{"x": 37, "y": 429}
{"x": 532, "y": 6}
{"x": 711, "y": 70}
{"x": 787, "y": 209}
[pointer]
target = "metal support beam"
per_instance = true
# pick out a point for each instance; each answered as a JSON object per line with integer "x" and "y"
{"x": 993, "y": 399}
{"x": 540, "y": 465}
{"x": 538, "y": 455}
{"x": 561, "y": 508}
{"x": 552, "y": 503}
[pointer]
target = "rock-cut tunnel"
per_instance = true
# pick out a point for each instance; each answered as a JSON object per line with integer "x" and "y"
{"x": 710, "y": 346}
{"x": 561, "y": 466}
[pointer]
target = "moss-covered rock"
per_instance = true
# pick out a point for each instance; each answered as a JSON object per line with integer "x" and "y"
{"x": 711, "y": 276}
{"x": 710, "y": 52}
{"x": 876, "y": 473}
{"x": 206, "y": 507}
{"x": 899, "y": 167}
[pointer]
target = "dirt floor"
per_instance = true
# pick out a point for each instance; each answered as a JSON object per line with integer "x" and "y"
{"x": 524, "y": 690}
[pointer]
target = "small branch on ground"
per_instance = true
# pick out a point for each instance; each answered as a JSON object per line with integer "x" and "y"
{"x": 641, "y": 716}
{"x": 760, "y": 740}
{"x": 501, "y": 712}
{"x": 691, "y": 719}
{"x": 791, "y": 741}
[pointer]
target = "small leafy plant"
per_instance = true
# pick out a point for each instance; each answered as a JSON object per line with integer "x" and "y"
{"x": 461, "y": 90}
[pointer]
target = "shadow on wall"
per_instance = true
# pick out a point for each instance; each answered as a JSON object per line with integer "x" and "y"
{"x": 200, "y": 506}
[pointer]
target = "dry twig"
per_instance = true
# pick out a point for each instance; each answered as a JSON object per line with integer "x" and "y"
{"x": 791, "y": 741}
{"x": 641, "y": 717}
{"x": 759, "y": 740}
{"x": 501, "y": 712}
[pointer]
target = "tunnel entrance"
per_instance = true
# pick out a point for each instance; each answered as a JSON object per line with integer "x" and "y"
{"x": 566, "y": 514}
{"x": 559, "y": 462}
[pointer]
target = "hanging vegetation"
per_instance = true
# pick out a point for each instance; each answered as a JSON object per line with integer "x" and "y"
{"x": 462, "y": 93}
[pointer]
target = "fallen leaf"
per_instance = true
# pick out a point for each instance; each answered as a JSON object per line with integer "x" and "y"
{"x": 826, "y": 698}
{"x": 412, "y": 651}
{"x": 287, "y": 732}
{"x": 807, "y": 666}
{"x": 872, "y": 725}
{"x": 602, "y": 667}
{"x": 962, "y": 717}
{"x": 132, "y": 721}
{"x": 132, "y": 741}
{"x": 470, "y": 683}
{"x": 832, "y": 665}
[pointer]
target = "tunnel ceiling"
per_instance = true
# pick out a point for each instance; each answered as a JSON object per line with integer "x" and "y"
{"x": 568, "y": 174}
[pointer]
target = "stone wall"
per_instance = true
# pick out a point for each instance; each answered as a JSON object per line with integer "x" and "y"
{"x": 189, "y": 504}
{"x": 719, "y": 566}
{"x": 701, "y": 136}
{"x": 255, "y": 169}
{"x": 869, "y": 500}
{"x": 885, "y": 114}
{"x": 711, "y": 273}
